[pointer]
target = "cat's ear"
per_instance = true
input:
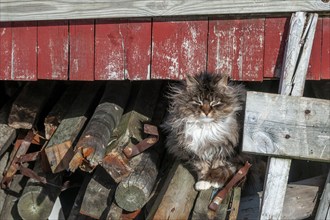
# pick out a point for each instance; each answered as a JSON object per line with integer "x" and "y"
{"x": 191, "y": 82}
{"x": 223, "y": 81}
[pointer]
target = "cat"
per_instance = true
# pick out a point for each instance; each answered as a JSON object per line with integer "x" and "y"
{"x": 204, "y": 129}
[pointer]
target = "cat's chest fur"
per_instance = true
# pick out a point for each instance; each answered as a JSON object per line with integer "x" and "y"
{"x": 200, "y": 136}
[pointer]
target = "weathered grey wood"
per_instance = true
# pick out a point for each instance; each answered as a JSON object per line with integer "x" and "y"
{"x": 235, "y": 203}
{"x": 140, "y": 109}
{"x": 299, "y": 202}
{"x": 278, "y": 169}
{"x": 29, "y": 103}
{"x": 59, "y": 148}
{"x": 56, "y": 115}
{"x": 3, "y": 163}
{"x": 292, "y": 51}
{"x": 323, "y": 211}
{"x": 96, "y": 136}
{"x": 7, "y": 133}
{"x": 98, "y": 195}
{"x": 177, "y": 195}
{"x": 287, "y": 126}
{"x": 13, "y": 10}
{"x": 37, "y": 199}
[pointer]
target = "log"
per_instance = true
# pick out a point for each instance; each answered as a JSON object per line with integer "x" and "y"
{"x": 287, "y": 126}
{"x": 7, "y": 133}
{"x": 37, "y": 199}
{"x": 92, "y": 144}
{"x": 323, "y": 211}
{"x": 140, "y": 109}
{"x": 177, "y": 196}
{"x": 134, "y": 191}
{"x": 29, "y": 104}
{"x": 278, "y": 169}
{"x": 56, "y": 115}
{"x": 59, "y": 148}
{"x": 98, "y": 195}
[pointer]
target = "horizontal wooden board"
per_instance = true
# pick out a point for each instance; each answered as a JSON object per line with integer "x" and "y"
{"x": 13, "y": 10}
{"x": 287, "y": 126}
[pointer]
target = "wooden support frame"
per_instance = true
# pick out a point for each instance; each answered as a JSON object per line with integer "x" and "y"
{"x": 11, "y": 10}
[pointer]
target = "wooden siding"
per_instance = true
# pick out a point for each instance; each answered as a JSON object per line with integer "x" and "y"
{"x": 14, "y": 10}
{"x": 248, "y": 49}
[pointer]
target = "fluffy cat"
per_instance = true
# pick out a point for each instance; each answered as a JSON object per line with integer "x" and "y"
{"x": 203, "y": 127}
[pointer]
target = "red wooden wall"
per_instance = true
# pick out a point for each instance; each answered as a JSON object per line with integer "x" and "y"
{"x": 247, "y": 49}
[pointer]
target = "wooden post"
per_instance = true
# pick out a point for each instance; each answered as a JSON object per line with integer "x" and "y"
{"x": 323, "y": 211}
{"x": 177, "y": 196}
{"x": 98, "y": 195}
{"x": 37, "y": 199}
{"x": 56, "y": 115}
{"x": 59, "y": 148}
{"x": 29, "y": 104}
{"x": 140, "y": 110}
{"x": 278, "y": 169}
{"x": 96, "y": 136}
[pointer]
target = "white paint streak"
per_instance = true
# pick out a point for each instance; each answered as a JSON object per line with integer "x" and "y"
{"x": 3, "y": 31}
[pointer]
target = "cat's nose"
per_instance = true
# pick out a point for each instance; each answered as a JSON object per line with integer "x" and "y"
{"x": 206, "y": 108}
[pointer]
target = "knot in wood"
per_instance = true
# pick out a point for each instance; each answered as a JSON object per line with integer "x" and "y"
{"x": 307, "y": 111}
{"x": 287, "y": 136}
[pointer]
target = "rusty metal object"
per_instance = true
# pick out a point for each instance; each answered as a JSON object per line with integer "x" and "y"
{"x": 152, "y": 131}
{"x": 221, "y": 195}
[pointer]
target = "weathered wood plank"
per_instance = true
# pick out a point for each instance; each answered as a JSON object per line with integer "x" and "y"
{"x": 276, "y": 31}
{"x": 177, "y": 195}
{"x": 287, "y": 126}
{"x": 231, "y": 45}
{"x": 98, "y": 195}
{"x": 53, "y": 50}
{"x": 325, "y": 70}
{"x": 29, "y": 103}
{"x": 19, "y": 51}
{"x": 3, "y": 163}
{"x": 35, "y": 10}
{"x": 179, "y": 48}
{"x": 59, "y": 148}
{"x": 7, "y": 133}
{"x": 323, "y": 211}
{"x": 314, "y": 67}
{"x": 81, "y": 50}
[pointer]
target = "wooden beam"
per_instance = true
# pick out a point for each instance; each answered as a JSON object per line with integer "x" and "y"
{"x": 323, "y": 211}
{"x": 12, "y": 10}
{"x": 7, "y": 133}
{"x": 287, "y": 126}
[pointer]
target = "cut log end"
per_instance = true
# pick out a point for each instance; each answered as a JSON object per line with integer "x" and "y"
{"x": 130, "y": 198}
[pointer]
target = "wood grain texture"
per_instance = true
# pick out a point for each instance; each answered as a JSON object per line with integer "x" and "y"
{"x": 179, "y": 48}
{"x": 323, "y": 211}
{"x": 236, "y": 47}
{"x": 53, "y": 50}
{"x": 19, "y": 51}
{"x": 276, "y": 30}
{"x": 287, "y": 126}
{"x": 325, "y": 69}
{"x": 81, "y": 50}
{"x": 36, "y": 10}
{"x": 123, "y": 49}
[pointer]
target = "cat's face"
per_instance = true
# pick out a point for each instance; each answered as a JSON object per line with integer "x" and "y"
{"x": 207, "y": 98}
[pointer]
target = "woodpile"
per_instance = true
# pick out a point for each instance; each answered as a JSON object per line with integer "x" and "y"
{"x": 97, "y": 147}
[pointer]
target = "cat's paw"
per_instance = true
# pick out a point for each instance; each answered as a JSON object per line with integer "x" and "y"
{"x": 217, "y": 185}
{"x": 202, "y": 185}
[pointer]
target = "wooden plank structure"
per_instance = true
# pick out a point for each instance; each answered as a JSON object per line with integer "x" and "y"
{"x": 144, "y": 40}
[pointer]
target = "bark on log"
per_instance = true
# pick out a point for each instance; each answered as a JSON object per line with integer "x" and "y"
{"x": 98, "y": 195}
{"x": 56, "y": 115}
{"x": 177, "y": 195}
{"x": 29, "y": 104}
{"x": 38, "y": 199}
{"x": 95, "y": 138}
{"x": 140, "y": 109}
{"x": 7, "y": 133}
{"x": 59, "y": 148}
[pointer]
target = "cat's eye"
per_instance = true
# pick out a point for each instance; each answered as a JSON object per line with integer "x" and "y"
{"x": 215, "y": 103}
{"x": 197, "y": 103}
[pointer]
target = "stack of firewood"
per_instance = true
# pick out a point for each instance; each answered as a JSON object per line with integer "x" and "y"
{"x": 108, "y": 133}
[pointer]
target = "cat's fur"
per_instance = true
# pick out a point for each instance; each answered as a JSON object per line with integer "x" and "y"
{"x": 204, "y": 129}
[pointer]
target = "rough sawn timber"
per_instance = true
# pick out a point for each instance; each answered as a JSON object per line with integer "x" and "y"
{"x": 287, "y": 126}
{"x": 12, "y": 10}
{"x": 323, "y": 211}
